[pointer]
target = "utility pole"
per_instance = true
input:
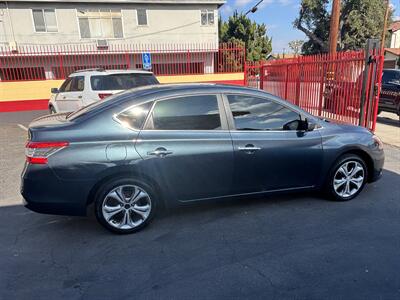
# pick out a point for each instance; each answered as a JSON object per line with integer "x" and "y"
{"x": 334, "y": 26}
{"x": 385, "y": 26}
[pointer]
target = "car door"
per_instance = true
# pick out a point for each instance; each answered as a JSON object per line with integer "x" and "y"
{"x": 70, "y": 96}
{"x": 186, "y": 147}
{"x": 268, "y": 154}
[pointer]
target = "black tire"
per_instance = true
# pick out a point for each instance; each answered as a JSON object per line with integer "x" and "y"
{"x": 52, "y": 110}
{"x": 109, "y": 186}
{"x": 329, "y": 185}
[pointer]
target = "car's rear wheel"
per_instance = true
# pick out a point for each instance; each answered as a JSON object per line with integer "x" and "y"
{"x": 347, "y": 178}
{"x": 125, "y": 205}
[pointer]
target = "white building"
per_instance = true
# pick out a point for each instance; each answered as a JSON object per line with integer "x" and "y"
{"x": 52, "y": 22}
{"x": 395, "y": 35}
{"x": 47, "y": 39}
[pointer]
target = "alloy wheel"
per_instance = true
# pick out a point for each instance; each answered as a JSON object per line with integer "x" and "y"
{"x": 349, "y": 179}
{"x": 126, "y": 207}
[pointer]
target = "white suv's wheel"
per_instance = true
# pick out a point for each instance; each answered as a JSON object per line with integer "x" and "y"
{"x": 124, "y": 205}
{"x": 52, "y": 110}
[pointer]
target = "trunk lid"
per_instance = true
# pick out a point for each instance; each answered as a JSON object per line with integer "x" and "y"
{"x": 50, "y": 120}
{"x": 42, "y": 127}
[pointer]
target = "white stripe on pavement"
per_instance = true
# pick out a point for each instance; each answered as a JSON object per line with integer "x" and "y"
{"x": 22, "y": 127}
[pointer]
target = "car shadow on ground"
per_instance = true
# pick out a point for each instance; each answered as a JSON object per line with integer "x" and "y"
{"x": 21, "y": 220}
{"x": 389, "y": 121}
{"x": 280, "y": 246}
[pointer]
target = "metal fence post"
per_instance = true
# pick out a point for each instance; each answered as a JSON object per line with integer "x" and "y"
{"x": 370, "y": 46}
{"x": 245, "y": 74}
{"x": 298, "y": 83}
{"x": 321, "y": 89}
{"x": 286, "y": 81}
{"x": 262, "y": 71}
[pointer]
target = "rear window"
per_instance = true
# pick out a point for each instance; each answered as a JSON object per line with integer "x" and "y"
{"x": 121, "y": 81}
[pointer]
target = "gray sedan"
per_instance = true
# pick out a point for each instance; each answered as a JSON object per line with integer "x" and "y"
{"x": 155, "y": 146}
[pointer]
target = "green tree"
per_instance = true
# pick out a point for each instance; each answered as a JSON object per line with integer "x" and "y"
{"x": 314, "y": 20}
{"x": 296, "y": 46}
{"x": 359, "y": 21}
{"x": 240, "y": 29}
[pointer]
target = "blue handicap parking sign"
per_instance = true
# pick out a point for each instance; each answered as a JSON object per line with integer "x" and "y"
{"x": 146, "y": 60}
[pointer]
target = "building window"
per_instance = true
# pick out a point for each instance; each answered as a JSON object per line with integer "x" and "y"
{"x": 100, "y": 23}
{"x": 207, "y": 17}
{"x": 141, "y": 16}
{"x": 44, "y": 20}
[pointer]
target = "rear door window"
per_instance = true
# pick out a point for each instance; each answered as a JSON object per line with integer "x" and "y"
{"x": 121, "y": 81}
{"x": 186, "y": 113}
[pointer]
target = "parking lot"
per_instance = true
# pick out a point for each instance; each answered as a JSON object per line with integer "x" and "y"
{"x": 296, "y": 246}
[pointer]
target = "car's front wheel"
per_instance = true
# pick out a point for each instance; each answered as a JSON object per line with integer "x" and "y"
{"x": 124, "y": 205}
{"x": 347, "y": 178}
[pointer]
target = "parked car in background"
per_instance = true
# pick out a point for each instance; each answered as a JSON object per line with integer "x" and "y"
{"x": 389, "y": 99}
{"x": 87, "y": 86}
{"x": 168, "y": 144}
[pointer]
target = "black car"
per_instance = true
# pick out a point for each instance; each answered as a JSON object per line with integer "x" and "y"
{"x": 389, "y": 99}
{"x": 169, "y": 144}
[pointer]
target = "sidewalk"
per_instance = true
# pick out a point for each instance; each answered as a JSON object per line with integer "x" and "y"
{"x": 388, "y": 128}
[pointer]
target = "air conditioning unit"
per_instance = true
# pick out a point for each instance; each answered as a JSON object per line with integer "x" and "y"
{"x": 102, "y": 44}
{"x": 13, "y": 46}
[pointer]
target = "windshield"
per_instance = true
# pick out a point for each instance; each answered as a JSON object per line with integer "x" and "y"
{"x": 121, "y": 81}
{"x": 391, "y": 77}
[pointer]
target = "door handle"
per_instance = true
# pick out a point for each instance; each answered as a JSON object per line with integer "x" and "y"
{"x": 249, "y": 149}
{"x": 64, "y": 97}
{"x": 79, "y": 97}
{"x": 160, "y": 152}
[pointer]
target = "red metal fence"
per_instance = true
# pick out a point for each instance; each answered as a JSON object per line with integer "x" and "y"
{"x": 328, "y": 86}
{"x": 58, "y": 61}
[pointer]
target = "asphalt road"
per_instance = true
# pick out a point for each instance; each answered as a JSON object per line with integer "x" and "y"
{"x": 297, "y": 246}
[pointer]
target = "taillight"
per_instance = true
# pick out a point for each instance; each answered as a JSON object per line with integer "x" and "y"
{"x": 104, "y": 95}
{"x": 38, "y": 152}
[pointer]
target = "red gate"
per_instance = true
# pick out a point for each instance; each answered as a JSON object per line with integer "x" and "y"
{"x": 343, "y": 87}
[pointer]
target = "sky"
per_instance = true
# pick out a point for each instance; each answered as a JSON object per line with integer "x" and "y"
{"x": 278, "y": 15}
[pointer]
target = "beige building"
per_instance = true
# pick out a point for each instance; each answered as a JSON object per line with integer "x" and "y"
{"x": 395, "y": 35}
{"x": 105, "y": 22}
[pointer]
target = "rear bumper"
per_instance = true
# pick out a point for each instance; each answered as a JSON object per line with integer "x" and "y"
{"x": 44, "y": 193}
{"x": 54, "y": 208}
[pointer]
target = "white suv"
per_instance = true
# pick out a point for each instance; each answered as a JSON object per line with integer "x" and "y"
{"x": 87, "y": 86}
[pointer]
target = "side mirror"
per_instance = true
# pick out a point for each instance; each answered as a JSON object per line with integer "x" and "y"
{"x": 300, "y": 125}
{"x": 310, "y": 126}
{"x": 293, "y": 125}
{"x": 54, "y": 90}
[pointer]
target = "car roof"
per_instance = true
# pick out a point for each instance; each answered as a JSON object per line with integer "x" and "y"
{"x": 181, "y": 88}
{"x": 99, "y": 71}
{"x": 140, "y": 95}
